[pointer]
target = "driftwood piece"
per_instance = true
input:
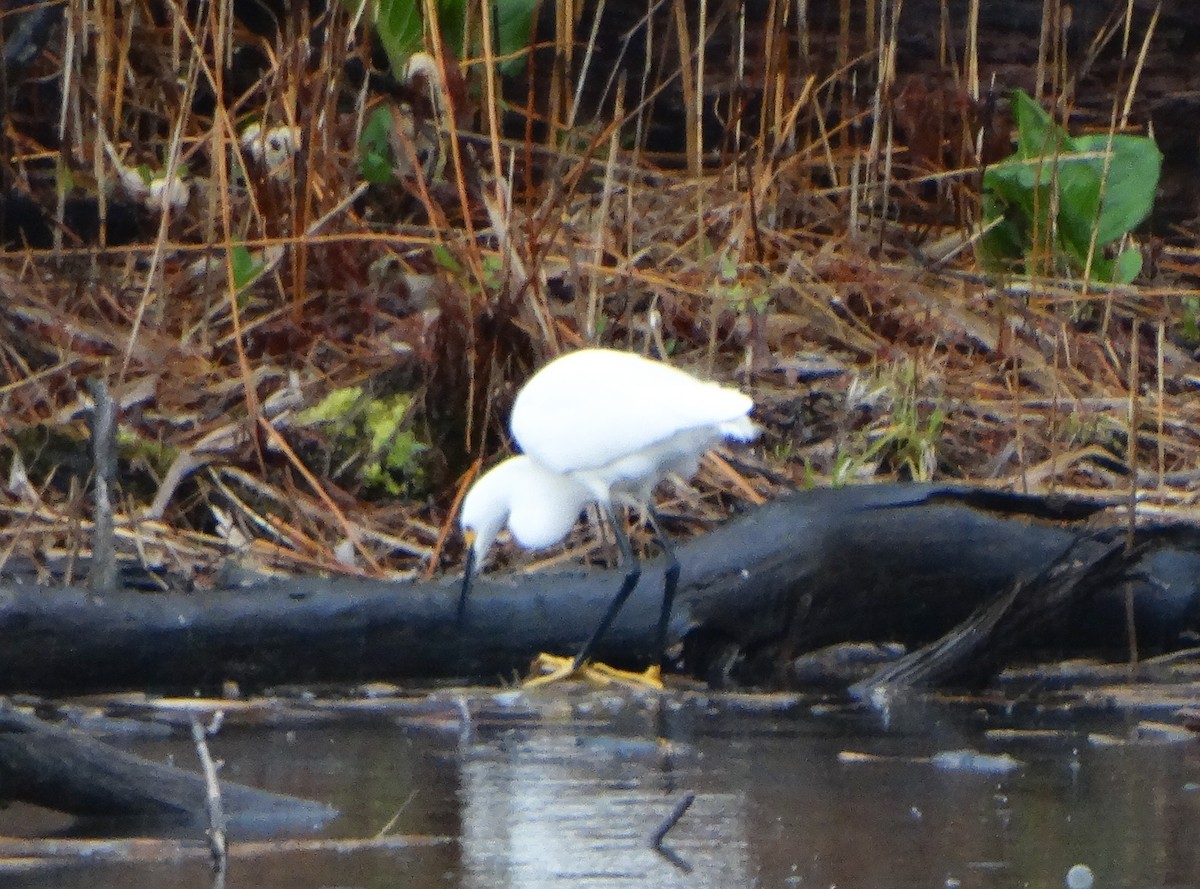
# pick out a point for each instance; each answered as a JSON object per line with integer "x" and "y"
{"x": 888, "y": 562}
{"x": 69, "y": 772}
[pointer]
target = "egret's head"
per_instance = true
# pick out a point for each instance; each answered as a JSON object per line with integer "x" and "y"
{"x": 485, "y": 511}
{"x": 539, "y": 506}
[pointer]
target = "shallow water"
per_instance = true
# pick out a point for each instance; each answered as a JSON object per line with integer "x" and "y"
{"x": 559, "y": 791}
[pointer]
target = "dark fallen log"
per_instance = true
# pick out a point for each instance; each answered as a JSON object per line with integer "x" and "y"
{"x": 1022, "y": 612}
{"x": 1106, "y": 565}
{"x": 70, "y": 772}
{"x": 900, "y": 563}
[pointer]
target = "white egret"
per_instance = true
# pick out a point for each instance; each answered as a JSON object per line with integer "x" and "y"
{"x": 540, "y": 508}
{"x": 599, "y": 426}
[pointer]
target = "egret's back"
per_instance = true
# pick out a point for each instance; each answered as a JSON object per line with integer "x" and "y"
{"x": 592, "y": 408}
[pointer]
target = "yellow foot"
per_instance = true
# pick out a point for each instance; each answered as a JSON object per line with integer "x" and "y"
{"x": 548, "y": 668}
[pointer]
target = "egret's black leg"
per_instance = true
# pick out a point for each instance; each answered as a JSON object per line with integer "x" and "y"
{"x": 468, "y": 576}
{"x": 632, "y": 573}
{"x": 670, "y": 582}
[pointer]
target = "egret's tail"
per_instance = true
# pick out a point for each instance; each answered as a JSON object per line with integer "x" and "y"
{"x": 743, "y": 429}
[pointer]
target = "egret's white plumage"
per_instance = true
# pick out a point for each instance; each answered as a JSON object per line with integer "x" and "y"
{"x": 539, "y": 506}
{"x": 598, "y": 426}
{"x": 618, "y": 418}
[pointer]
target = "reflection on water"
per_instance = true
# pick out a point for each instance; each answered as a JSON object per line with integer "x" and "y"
{"x": 556, "y": 791}
{"x": 554, "y": 809}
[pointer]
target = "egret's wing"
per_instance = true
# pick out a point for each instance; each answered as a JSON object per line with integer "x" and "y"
{"x": 589, "y": 408}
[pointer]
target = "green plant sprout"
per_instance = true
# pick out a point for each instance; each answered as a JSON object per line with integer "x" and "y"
{"x": 909, "y": 443}
{"x": 248, "y": 268}
{"x": 730, "y": 289}
{"x": 400, "y": 25}
{"x": 1062, "y": 200}
{"x": 1189, "y": 323}
{"x": 375, "y": 161}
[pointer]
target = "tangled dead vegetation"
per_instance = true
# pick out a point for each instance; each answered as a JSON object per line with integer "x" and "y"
{"x": 310, "y": 361}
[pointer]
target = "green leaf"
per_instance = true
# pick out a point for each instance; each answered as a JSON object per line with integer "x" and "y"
{"x": 1102, "y": 268}
{"x": 1190, "y": 322}
{"x": 452, "y": 21}
{"x": 245, "y": 268}
{"x": 1079, "y": 206}
{"x": 370, "y": 438}
{"x": 393, "y": 447}
{"x": 514, "y": 31}
{"x": 1128, "y": 266}
{"x": 1131, "y": 184}
{"x": 400, "y": 28}
{"x": 1037, "y": 135}
{"x": 1095, "y": 206}
{"x": 384, "y": 418}
{"x": 375, "y": 149}
{"x": 404, "y": 449}
{"x": 1019, "y": 191}
{"x": 444, "y": 259}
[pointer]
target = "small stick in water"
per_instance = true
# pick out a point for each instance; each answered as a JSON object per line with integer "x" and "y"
{"x": 656, "y": 839}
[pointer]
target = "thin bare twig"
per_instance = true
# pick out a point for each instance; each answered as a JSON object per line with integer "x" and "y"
{"x": 217, "y": 843}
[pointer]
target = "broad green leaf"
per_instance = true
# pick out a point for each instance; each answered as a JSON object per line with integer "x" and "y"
{"x": 1094, "y": 207}
{"x": 401, "y": 30}
{"x": 1024, "y": 204}
{"x": 1078, "y": 206}
{"x": 452, "y": 20}
{"x": 1102, "y": 268}
{"x": 1131, "y": 184}
{"x": 1037, "y": 134}
{"x": 1128, "y": 266}
{"x": 1190, "y": 322}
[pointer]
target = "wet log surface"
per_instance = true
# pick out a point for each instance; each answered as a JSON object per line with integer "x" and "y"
{"x": 903, "y": 563}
